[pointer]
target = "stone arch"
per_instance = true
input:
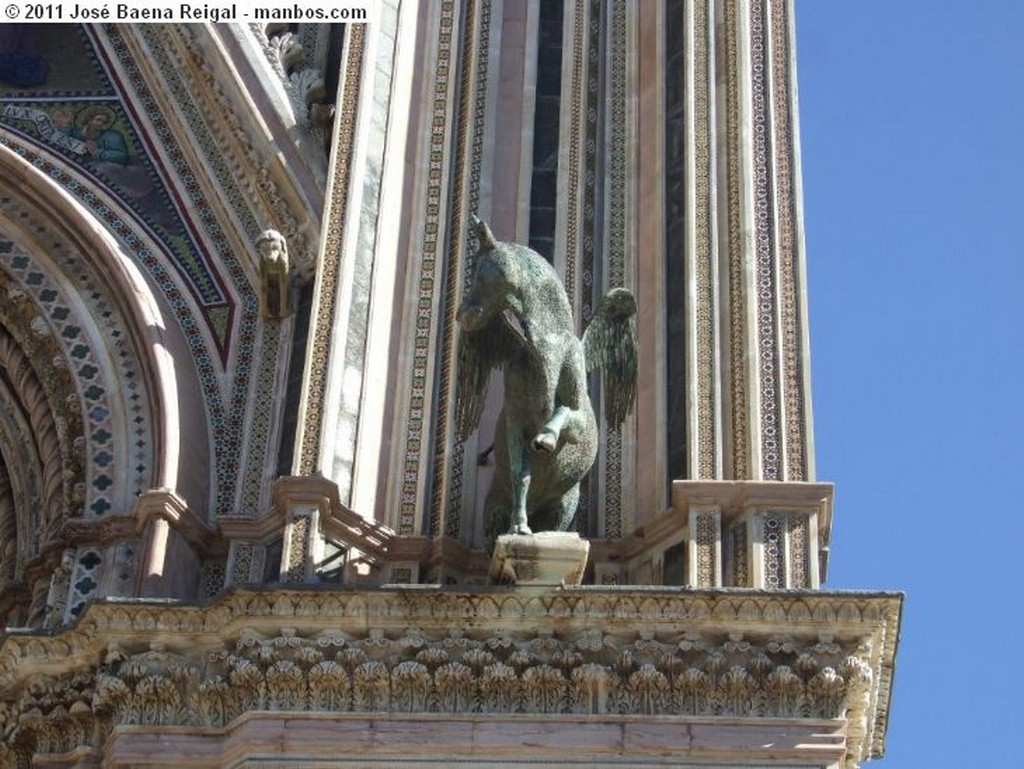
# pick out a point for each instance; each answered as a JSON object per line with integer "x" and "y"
{"x": 92, "y": 365}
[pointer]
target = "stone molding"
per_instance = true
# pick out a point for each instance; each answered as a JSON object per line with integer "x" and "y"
{"x": 520, "y": 741}
{"x": 658, "y": 653}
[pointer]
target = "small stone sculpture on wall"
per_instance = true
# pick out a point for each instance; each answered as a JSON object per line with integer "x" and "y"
{"x": 274, "y": 274}
{"x": 516, "y": 315}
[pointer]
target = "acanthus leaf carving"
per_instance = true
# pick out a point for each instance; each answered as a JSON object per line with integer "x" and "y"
{"x": 456, "y": 688}
{"x": 410, "y": 687}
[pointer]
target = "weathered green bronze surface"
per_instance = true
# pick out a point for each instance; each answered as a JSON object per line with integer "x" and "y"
{"x": 516, "y": 315}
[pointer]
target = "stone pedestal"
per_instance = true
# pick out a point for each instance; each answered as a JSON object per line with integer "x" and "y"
{"x": 545, "y": 558}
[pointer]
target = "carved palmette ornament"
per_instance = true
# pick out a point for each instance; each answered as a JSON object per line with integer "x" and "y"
{"x": 593, "y": 689}
{"x": 499, "y": 689}
{"x": 456, "y": 688}
{"x": 410, "y": 687}
{"x": 647, "y": 692}
{"x": 329, "y": 686}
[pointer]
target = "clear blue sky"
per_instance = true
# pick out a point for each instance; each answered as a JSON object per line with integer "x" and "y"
{"x": 912, "y": 122}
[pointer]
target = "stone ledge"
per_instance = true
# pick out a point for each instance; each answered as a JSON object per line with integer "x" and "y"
{"x": 506, "y": 741}
{"x": 489, "y": 654}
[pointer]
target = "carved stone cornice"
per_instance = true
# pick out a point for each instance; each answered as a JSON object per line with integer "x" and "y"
{"x": 605, "y": 653}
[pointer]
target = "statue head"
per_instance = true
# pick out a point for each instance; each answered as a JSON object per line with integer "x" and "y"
{"x": 272, "y": 248}
{"x": 494, "y": 280}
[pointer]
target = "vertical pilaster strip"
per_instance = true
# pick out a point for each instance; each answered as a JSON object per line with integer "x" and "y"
{"x": 594, "y": 21}
{"x": 263, "y": 424}
{"x": 576, "y": 225}
{"x": 465, "y": 190}
{"x": 575, "y": 220}
{"x": 739, "y": 397}
{"x": 798, "y": 546}
{"x": 789, "y": 252}
{"x": 245, "y": 563}
{"x": 569, "y": 235}
{"x": 702, "y": 310}
{"x": 297, "y": 545}
{"x": 705, "y": 527}
{"x": 651, "y": 454}
{"x": 706, "y": 306}
{"x": 774, "y": 550}
{"x": 739, "y": 556}
{"x": 414, "y": 473}
{"x": 615, "y": 253}
{"x": 767, "y": 352}
{"x": 585, "y": 308}
{"x": 325, "y": 290}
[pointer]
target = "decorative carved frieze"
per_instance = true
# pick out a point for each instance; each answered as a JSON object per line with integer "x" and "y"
{"x": 602, "y": 652}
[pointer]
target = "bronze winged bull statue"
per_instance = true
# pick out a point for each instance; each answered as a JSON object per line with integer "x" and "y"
{"x": 516, "y": 315}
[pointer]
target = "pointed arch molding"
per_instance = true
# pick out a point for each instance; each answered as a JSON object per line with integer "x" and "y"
{"x": 88, "y": 393}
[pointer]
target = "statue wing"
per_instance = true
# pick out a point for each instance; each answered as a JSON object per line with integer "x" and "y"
{"x": 480, "y": 352}
{"x": 610, "y": 343}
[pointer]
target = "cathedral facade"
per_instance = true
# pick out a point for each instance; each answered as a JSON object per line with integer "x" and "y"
{"x": 238, "y": 524}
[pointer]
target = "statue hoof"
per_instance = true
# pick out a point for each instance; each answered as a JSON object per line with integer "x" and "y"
{"x": 520, "y": 528}
{"x": 546, "y": 442}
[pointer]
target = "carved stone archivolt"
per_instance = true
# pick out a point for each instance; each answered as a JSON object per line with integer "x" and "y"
{"x": 658, "y": 653}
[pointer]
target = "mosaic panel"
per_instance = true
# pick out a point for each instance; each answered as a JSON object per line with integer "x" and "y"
{"x": 264, "y": 410}
{"x": 764, "y": 249}
{"x": 91, "y": 130}
{"x": 774, "y": 526}
{"x": 706, "y": 310}
{"x": 737, "y": 324}
{"x": 316, "y": 384}
{"x": 706, "y": 539}
{"x": 300, "y": 532}
{"x": 676, "y": 165}
{"x": 247, "y": 566}
{"x": 585, "y": 310}
{"x": 211, "y": 583}
{"x": 789, "y": 305}
{"x": 738, "y": 549}
{"x": 618, "y": 147}
{"x": 577, "y": 101}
